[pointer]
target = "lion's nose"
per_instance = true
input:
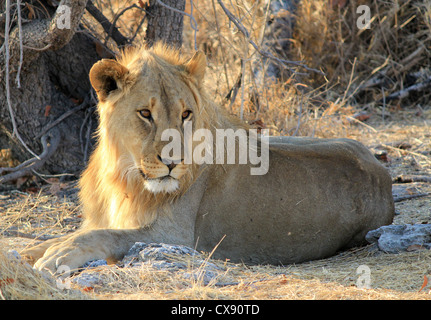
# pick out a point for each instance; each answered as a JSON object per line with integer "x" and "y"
{"x": 171, "y": 164}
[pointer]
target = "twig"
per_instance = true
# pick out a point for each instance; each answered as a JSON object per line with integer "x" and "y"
{"x": 234, "y": 91}
{"x": 50, "y": 142}
{"x": 407, "y": 151}
{"x": 114, "y": 22}
{"x": 264, "y": 53}
{"x": 137, "y": 29}
{"x": 21, "y": 57}
{"x": 221, "y": 45}
{"x": 361, "y": 123}
{"x": 63, "y": 116}
{"x": 299, "y": 117}
{"x": 112, "y": 31}
{"x": 9, "y": 103}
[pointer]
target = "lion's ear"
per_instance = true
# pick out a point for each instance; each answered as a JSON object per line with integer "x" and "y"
{"x": 107, "y": 75}
{"x": 196, "y": 66}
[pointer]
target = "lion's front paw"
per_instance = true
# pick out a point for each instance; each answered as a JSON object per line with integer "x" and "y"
{"x": 69, "y": 255}
{"x": 32, "y": 254}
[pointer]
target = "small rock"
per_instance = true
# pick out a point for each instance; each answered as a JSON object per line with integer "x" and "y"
{"x": 168, "y": 257}
{"x": 397, "y": 238}
{"x": 94, "y": 264}
{"x": 150, "y": 252}
{"x": 13, "y": 254}
{"x": 87, "y": 280}
{"x": 206, "y": 276}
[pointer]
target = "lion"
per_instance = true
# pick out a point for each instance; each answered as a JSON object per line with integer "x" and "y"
{"x": 318, "y": 196}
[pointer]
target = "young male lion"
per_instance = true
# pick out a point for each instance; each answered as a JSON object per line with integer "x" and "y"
{"x": 318, "y": 195}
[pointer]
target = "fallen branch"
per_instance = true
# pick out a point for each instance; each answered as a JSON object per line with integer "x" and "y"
{"x": 13, "y": 233}
{"x": 410, "y": 196}
{"x": 50, "y": 142}
{"x": 411, "y": 178}
{"x": 406, "y": 92}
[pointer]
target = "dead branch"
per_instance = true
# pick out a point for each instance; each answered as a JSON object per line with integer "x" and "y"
{"x": 406, "y": 92}
{"x": 407, "y": 178}
{"x": 13, "y": 233}
{"x": 384, "y": 72}
{"x": 50, "y": 142}
{"x": 109, "y": 27}
{"x": 262, "y": 52}
{"x": 410, "y": 196}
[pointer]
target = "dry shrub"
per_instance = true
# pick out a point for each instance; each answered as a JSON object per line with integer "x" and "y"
{"x": 391, "y": 55}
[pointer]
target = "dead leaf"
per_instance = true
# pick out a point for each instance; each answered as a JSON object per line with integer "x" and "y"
{"x": 284, "y": 280}
{"x": 32, "y": 190}
{"x": 362, "y": 116}
{"x": 20, "y": 181}
{"x": 339, "y": 3}
{"x": 47, "y": 110}
{"x": 76, "y": 101}
{"x": 6, "y": 281}
{"x": 424, "y": 284}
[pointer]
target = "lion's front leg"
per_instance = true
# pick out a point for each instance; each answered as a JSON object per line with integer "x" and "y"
{"x": 87, "y": 245}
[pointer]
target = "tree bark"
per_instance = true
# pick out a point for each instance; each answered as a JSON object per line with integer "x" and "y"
{"x": 276, "y": 39}
{"x": 165, "y": 24}
{"x": 53, "y": 80}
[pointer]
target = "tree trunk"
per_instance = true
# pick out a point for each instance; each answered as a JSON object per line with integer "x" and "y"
{"x": 164, "y": 23}
{"x": 276, "y": 39}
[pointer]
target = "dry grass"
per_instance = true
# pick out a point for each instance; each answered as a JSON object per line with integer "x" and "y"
{"x": 18, "y": 281}
{"x": 325, "y": 37}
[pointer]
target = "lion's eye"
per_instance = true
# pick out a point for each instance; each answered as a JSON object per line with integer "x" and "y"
{"x": 145, "y": 113}
{"x": 186, "y": 114}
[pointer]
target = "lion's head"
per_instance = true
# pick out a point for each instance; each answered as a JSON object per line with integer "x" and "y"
{"x": 142, "y": 95}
